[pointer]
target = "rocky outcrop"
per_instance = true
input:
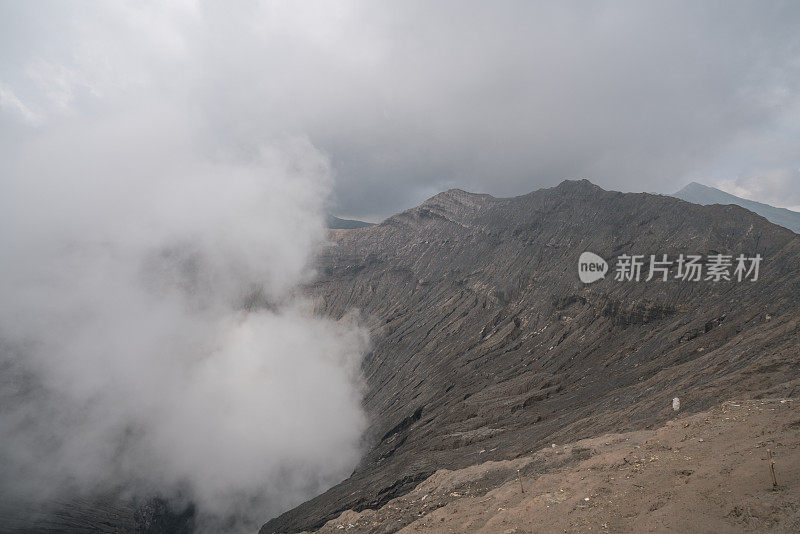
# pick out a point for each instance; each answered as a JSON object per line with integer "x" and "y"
{"x": 487, "y": 346}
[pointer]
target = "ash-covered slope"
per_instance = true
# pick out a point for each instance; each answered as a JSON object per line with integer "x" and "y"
{"x": 487, "y": 345}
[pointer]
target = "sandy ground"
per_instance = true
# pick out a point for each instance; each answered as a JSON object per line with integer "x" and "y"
{"x": 706, "y": 472}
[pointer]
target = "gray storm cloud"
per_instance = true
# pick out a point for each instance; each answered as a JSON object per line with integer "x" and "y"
{"x": 414, "y": 97}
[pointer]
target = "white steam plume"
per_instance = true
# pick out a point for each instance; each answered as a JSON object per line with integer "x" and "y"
{"x": 152, "y": 336}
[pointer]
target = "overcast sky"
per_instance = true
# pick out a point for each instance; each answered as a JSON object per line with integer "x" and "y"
{"x": 409, "y": 98}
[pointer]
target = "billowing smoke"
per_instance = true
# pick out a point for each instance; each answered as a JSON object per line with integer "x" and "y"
{"x": 152, "y": 332}
{"x": 154, "y": 339}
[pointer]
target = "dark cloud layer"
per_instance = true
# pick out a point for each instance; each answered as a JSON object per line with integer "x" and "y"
{"x": 408, "y": 98}
{"x": 511, "y": 97}
{"x": 413, "y": 97}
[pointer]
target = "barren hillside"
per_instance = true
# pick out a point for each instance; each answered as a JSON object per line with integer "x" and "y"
{"x": 487, "y": 346}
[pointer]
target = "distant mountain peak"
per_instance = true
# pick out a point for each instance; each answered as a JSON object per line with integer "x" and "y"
{"x": 702, "y": 194}
{"x": 335, "y": 223}
{"x": 457, "y": 194}
{"x": 696, "y": 185}
{"x": 578, "y": 185}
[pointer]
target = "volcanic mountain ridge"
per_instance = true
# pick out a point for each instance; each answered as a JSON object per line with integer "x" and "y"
{"x": 486, "y": 346}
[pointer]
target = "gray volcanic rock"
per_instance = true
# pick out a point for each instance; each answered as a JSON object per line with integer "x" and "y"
{"x": 109, "y": 514}
{"x": 486, "y": 345}
{"x": 335, "y": 223}
{"x": 702, "y": 194}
